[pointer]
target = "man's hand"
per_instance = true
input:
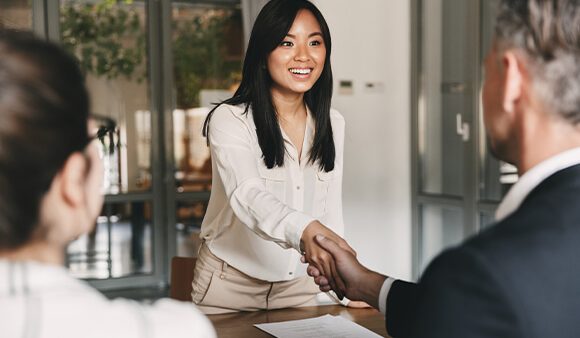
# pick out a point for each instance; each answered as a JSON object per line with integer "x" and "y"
{"x": 316, "y": 256}
{"x": 360, "y": 283}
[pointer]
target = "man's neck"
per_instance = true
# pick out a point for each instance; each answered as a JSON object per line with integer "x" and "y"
{"x": 544, "y": 138}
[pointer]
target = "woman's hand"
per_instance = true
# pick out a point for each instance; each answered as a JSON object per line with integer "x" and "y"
{"x": 361, "y": 283}
{"x": 316, "y": 256}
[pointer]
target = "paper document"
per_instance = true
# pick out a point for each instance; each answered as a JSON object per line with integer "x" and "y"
{"x": 319, "y": 327}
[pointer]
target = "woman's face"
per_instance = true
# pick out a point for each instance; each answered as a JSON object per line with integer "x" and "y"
{"x": 296, "y": 64}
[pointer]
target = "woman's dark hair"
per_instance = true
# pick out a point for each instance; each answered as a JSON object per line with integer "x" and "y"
{"x": 271, "y": 26}
{"x": 43, "y": 120}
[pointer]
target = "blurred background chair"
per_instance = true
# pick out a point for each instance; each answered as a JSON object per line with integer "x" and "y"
{"x": 181, "y": 278}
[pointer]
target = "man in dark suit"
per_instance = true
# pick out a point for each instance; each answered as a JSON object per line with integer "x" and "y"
{"x": 521, "y": 277}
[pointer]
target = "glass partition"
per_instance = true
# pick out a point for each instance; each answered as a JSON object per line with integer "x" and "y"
{"x": 119, "y": 245}
{"x": 441, "y": 227}
{"x": 189, "y": 216}
{"x": 445, "y": 98}
{"x": 207, "y": 41}
{"x": 486, "y": 219}
{"x": 207, "y": 60}
{"x": 16, "y": 14}
{"x": 109, "y": 39}
{"x": 453, "y": 164}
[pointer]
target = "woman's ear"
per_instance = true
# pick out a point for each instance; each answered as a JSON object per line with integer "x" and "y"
{"x": 72, "y": 179}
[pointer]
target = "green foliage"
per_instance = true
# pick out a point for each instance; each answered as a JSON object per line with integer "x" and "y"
{"x": 200, "y": 56}
{"x": 107, "y": 39}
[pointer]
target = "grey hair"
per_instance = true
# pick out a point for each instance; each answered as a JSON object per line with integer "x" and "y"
{"x": 548, "y": 33}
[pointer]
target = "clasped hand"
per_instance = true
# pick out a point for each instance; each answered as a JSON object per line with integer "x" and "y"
{"x": 334, "y": 266}
{"x": 321, "y": 262}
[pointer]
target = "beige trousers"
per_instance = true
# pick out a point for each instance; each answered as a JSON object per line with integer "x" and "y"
{"x": 220, "y": 288}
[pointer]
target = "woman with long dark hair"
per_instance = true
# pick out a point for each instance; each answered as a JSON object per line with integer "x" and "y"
{"x": 50, "y": 194}
{"x": 277, "y": 155}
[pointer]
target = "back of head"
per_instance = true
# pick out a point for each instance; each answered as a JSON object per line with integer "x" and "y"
{"x": 43, "y": 120}
{"x": 548, "y": 33}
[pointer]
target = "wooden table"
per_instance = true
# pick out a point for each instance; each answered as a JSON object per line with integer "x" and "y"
{"x": 241, "y": 324}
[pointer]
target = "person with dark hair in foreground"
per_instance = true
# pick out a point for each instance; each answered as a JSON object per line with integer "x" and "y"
{"x": 50, "y": 194}
{"x": 277, "y": 157}
{"x": 521, "y": 277}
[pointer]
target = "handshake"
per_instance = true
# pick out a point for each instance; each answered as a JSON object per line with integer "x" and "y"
{"x": 333, "y": 265}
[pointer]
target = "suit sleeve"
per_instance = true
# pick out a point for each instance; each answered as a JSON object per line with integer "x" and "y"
{"x": 401, "y": 308}
{"x": 459, "y": 296}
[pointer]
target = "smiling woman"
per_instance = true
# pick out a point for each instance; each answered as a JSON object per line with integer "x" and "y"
{"x": 277, "y": 157}
{"x": 296, "y": 64}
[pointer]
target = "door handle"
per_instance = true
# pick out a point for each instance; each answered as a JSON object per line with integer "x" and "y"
{"x": 462, "y": 128}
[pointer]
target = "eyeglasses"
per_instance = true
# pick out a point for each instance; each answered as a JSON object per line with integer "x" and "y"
{"x": 106, "y": 127}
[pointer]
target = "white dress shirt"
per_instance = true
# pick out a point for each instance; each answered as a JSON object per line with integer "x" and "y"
{"x": 256, "y": 216}
{"x": 514, "y": 198}
{"x": 43, "y": 301}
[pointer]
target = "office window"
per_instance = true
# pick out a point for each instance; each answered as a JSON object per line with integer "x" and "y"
{"x": 453, "y": 164}
{"x": 441, "y": 227}
{"x": 445, "y": 97}
{"x": 119, "y": 245}
{"x": 486, "y": 219}
{"x": 109, "y": 40}
{"x": 207, "y": 41}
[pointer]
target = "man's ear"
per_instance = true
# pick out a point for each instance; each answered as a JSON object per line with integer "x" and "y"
{"x": 513, "y": 76}
{"x": 72, "y": 180}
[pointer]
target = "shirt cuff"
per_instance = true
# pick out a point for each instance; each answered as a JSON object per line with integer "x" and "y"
{"x": 383, "y": 295}
{"x": 333, "y": 296}
{"x": 295, "y": 224}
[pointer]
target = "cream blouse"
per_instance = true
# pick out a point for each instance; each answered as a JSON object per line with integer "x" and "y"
{"x": 256, "y": 215}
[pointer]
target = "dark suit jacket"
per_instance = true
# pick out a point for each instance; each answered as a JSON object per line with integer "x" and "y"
{"x": 519, "y": 278}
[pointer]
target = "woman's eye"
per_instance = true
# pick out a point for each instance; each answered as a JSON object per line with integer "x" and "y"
{"x": 315, "y": 43}
{"x": 286, "y": 44}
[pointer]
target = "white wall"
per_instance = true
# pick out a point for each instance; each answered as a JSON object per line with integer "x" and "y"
{"x": 371, "y": 43}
